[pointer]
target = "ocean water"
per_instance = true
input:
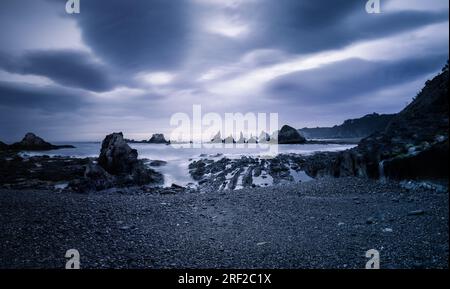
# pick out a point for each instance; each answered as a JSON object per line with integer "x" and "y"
{"x": 178, "y": 159}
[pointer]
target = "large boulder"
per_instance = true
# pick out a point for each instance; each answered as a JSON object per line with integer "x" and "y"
{"x": 289, "y": 135}
{"x": 116, "y": 156}
{"x": 158, "y": 138}
{"x": 120, "y": 160}
{"x": 32, "y": 142}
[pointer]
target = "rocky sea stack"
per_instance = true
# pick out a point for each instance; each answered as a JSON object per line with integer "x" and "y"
{"x": 289, "y": 135}
{"x": 32, "y": 142}
{"x": 117, "y": 166}
{"x": 158, "y": 138}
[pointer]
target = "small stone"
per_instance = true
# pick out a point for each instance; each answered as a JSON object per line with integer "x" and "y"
{"x": 416, "y": 213}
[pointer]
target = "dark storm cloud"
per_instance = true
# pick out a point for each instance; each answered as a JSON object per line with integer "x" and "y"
{"x": 345, "y": 80}
{"x": 66, "y": 67}
{"x": 311, "y": 26}
{"x": 136, "y": 34}
{"x": 44, "y": 98}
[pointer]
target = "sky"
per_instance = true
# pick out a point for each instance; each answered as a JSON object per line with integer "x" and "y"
{"x": 130, "y": 65}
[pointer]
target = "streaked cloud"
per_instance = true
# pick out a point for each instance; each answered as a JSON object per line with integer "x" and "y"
{"x": 129, "y": 65}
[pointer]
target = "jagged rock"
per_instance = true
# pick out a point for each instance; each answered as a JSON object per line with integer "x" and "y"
{"x": 217, "y": 138}
{"x": 241, "y": 138}
{"x": 97, "y": 177}
{"x": 197, "y": 169}
{"x": 264, "y": 137}
{"x": 158, "y": 138}
{"x": 289, "y": 135}
{"x": 252, "y": 139}
{"x": 229, "y": 139}
{"x": 31, "y": 142}
{"x": 116, "y": 156}
{"x": 121, "y": 161}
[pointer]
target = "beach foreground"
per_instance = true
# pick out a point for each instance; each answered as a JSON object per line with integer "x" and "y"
{"x": 326, "y": 223}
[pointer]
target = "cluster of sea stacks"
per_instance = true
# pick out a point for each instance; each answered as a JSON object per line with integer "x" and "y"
{"x": 287, "y": 135}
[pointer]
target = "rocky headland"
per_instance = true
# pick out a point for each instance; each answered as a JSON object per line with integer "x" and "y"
{"x": 414, "y": 144}
{"x": 351, "y": 128}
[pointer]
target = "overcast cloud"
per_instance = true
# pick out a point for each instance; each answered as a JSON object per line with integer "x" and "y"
{"x": 129, "y": 65}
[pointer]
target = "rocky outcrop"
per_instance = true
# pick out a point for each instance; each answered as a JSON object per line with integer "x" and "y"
{"x": 117, "y": 166}
{"x": 244, "y": 172}
{"x": 39, "y": 171}
{"x": 31, "y": 142}
{"x": 120, "y": 160}
{"x": 158, "y": 138}
{"x": 414, "y": 145}
{"x": 431, "y": 163}
{"x": 351, "y": 128}
{"x": 116, "y": 156}
{"x": 289, "y": 135}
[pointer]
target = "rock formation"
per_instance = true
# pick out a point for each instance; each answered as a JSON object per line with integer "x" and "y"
{"x": 158, "y": 138}
{"x": 414, "y": 144}
{"x": 252, "y": 140}
{"x": 117, "y": 165}
{"x": 241, "y": 138}
{"x": 229, "y": 140}
{"x": 289, "y": 135}
{"x": 217, "y": 138}
{"x": 31, "y": 142}
{"x": 264, "y": 137}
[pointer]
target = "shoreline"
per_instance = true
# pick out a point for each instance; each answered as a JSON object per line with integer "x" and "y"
{"x": 326, "y": 223}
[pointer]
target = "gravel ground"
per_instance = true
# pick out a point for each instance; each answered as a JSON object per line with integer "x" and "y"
{"x": 326, "y": 223}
